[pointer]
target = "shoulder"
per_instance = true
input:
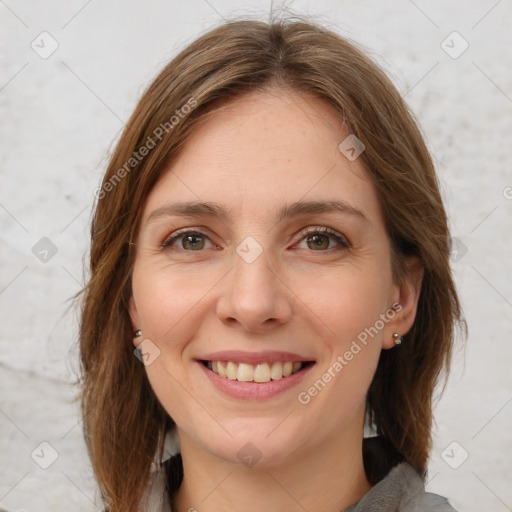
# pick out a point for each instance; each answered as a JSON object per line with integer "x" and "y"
{"x": 402, "y": 490}
{"x": 435, "y": 503}
{"x": 413, "y": 495}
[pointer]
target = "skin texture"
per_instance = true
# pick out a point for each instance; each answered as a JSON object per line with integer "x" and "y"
{"x": 252, "y": 157}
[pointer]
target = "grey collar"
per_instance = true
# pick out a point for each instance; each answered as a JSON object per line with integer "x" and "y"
{"x": 402, "y": 490}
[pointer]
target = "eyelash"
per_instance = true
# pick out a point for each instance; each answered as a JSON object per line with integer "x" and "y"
{"x": 304, "y": 232}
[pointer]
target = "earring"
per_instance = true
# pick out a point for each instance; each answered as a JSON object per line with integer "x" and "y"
{"x": 137, "y": 333}
{"x": 397, "y": 338}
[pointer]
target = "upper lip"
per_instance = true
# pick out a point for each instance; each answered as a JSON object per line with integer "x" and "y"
{"x": 267, "y": 356}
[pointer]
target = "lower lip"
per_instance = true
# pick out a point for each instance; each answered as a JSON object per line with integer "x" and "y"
{"x": 254, "y": 390}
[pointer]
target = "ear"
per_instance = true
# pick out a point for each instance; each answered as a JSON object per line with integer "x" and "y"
{"x": 406, "y": 296}
{"x": 134, "y": 316}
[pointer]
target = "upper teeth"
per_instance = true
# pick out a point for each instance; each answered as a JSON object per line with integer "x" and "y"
{"x": 254, "y": 373}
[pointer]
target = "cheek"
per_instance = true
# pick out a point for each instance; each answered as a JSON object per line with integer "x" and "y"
{"x": 345, "y": 302}
{"x": 169, "y": 304}
{"x": 167, "y": 299}
{"x": 346, "y": 307}
{"x": 346, "y": 310}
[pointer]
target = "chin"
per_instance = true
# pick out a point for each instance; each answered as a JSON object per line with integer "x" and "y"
{"x": 258, "y": 442}
{"x": 257, "y": 453}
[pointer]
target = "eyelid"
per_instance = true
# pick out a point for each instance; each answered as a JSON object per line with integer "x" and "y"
{"x": 175, "y": 235}
{"x": 341, "y": 239}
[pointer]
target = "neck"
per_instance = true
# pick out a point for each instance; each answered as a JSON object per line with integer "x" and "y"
{"x": 328, "y": 477}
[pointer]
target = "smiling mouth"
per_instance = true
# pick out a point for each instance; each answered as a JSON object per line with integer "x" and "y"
{"x": 259, "y": 373}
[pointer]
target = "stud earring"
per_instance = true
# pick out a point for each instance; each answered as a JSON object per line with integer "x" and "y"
{"x": 137, "y": 334}
{"x": 397, "y": 338}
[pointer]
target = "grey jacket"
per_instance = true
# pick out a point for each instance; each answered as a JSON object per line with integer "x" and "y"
{"x": 401, "y": 490}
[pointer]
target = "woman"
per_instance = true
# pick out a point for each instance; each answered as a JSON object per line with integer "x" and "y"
{"x": 270, "y": 242}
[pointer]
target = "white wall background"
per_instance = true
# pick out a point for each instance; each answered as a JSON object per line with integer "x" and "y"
{"x": 60, "y": 117}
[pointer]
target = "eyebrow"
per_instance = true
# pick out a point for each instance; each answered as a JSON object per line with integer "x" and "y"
{"x": 288, "y": 211}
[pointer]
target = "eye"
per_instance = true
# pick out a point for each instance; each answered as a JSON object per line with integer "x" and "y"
{"x": 191, "y": 240}
{"x": 318, "y": 239}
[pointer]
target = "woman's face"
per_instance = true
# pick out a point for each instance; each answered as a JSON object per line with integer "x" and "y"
{"x": 260, "y": 284}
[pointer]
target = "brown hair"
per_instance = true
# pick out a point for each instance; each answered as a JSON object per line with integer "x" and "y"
{"x": 123, "y": 421}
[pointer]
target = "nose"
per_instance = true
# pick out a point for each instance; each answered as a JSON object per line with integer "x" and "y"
{"x": 255, "y": 296}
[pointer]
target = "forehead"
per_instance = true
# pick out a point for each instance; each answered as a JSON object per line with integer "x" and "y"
{"x": 266, "y": 149}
